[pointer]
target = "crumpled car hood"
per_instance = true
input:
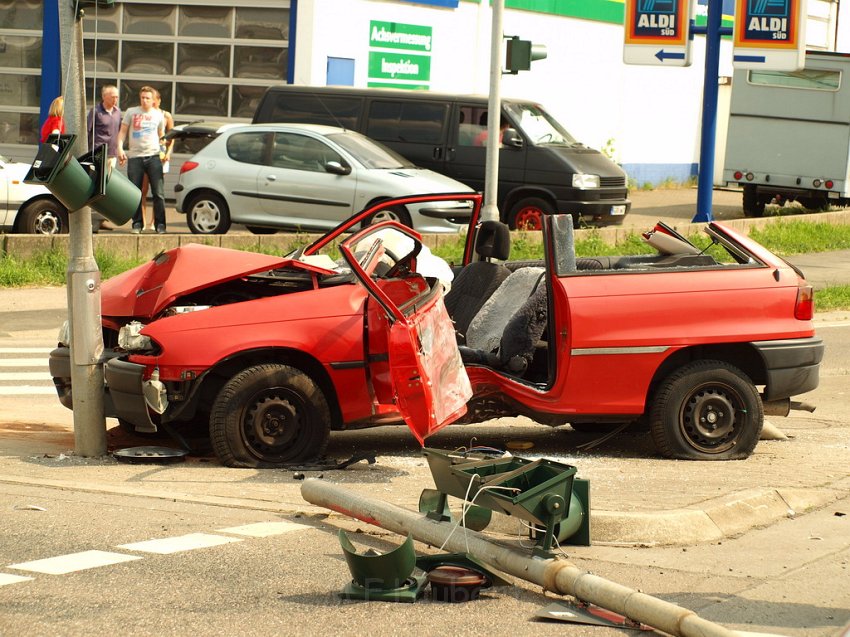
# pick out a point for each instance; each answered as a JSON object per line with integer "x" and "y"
{"x": 148, "y": 289}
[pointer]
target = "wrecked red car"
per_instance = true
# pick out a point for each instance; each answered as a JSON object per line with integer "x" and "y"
{"x": 355, "y": 330}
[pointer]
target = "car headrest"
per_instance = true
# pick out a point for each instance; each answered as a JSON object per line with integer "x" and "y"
{"x": 493, "y": 240}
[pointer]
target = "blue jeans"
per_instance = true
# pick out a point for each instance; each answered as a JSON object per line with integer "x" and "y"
{"x": 151, "y": 165}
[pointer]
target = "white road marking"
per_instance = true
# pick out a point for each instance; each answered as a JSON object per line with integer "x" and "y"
{"x": 26, "y": 390}
{"x": 5, "y": 578}
{"x": 265, "y": 529}
{"x": 23, "y": 362}
{"x": 24, "y": 376}
{"x": 181, "y": 543}
{"x": 72, "y": 562}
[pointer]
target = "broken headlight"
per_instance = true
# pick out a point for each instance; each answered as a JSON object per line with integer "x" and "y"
{"x": 64, "y": 337}
{"x": 131, "y": 339}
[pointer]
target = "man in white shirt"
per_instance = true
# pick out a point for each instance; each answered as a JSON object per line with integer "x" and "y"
{"x": 145, "y": 125}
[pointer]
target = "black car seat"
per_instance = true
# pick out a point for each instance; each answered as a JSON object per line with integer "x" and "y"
{"x": 477, "y": 281}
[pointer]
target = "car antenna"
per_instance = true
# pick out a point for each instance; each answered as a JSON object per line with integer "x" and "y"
{"x": 329, "y": 112}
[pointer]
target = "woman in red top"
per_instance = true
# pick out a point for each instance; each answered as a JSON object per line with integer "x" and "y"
{"x": 54, "y": 122}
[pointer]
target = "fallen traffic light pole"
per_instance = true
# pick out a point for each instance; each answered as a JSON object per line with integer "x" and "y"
{"x": 555, "y": 574}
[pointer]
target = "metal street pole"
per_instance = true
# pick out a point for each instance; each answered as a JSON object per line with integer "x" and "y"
{"x": 83, "y": 274}
{"x": 705, "y": 181}
{"x": 490, "y": 209}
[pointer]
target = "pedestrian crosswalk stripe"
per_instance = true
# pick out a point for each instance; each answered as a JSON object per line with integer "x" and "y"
{"x": 23, "y": 362}
{"x": 72, "y": 562}
{"x": 180, "y": 543}
{"x": 265, "y": 529}
{"x": 26, "y": 390}
{"x": 24, "y": 376}
{"x": 5, "y": 578}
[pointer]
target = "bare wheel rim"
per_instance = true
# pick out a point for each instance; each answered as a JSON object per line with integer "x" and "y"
{"x": 206, "y": 216}
{"x": 712, "y": 417}
{"x": 274, "y": 421}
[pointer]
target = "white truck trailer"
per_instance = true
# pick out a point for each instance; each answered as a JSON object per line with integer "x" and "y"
{"x": 789, "y": 134}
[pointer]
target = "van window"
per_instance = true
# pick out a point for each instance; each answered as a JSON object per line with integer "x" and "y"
{"x": 247, "y": 147}
{"x": 305, "y": 108}
{"x": 472, "y": 127}
{"x": 539, "y": 126}
{"x": 412, "y": 122}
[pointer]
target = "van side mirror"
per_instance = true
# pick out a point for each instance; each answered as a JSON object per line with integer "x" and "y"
{"x": 511, "y": 138}
{"x": 336, "y": 168}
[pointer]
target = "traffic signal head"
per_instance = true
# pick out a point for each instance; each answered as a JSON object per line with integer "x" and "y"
{"x": 521, "y": 53}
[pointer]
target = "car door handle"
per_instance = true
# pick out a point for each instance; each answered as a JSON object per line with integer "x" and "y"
{"x": 271, "y": 177}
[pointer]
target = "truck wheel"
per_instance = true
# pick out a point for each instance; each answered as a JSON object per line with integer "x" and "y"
{"x": 207, "y": 213}
{"x": 753, "y": 205}
{"x": 267, "y": 416}
{"x": 527, "y": 214}
{"x": 706, "y": 410}
{"x": 45, "y": 216}
{"x": 816, "y": 203}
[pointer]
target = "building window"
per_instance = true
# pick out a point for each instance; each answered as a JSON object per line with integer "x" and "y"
{"x": 213, "y": 60}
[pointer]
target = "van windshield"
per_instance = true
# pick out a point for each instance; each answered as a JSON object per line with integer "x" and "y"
{"x": 539, "y": 126}
{"x": 369, "y": 153}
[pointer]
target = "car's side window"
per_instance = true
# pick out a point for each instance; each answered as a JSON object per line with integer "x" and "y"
{"x": 472, "y": 127}
{"x": 247, "y": 147}
{"x": 299, "y": 152}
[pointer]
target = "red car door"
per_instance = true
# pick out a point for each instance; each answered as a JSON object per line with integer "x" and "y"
{"x": 428, "y": 378}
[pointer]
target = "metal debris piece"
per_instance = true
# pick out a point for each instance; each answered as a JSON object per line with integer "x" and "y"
{"x": 382, "y": 577}
{"x": 587, "y": 614}
{"x": 150, "y": 455}
{"x": 368, "y": 456}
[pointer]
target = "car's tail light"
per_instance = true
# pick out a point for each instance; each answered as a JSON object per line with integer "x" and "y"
{"x": 804, "y": 308}
{"x": 829, "y": 184}
{"x": 188, "y": 165}
{"x": 738, "y": 175}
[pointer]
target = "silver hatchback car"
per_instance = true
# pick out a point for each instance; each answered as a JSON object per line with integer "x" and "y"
{"x": 305, "y": 177}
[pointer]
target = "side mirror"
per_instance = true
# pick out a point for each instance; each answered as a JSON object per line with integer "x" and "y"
{"x": 511, "y": 138}
{"x": 336, "y": 168}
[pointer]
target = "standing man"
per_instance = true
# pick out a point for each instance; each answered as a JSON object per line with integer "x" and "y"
{"x": 146, "y": 125}
{"x": 104, "y": 121}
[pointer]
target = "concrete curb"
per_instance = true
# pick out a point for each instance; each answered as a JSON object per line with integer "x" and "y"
{"x": 715, "y": 520}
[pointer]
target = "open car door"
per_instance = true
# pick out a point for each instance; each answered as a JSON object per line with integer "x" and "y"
{"x": 429, "y": 380}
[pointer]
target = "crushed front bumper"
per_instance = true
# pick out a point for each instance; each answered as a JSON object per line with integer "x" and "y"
{"x": 123, "y": 395}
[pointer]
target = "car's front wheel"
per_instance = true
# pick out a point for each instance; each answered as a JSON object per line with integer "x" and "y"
{"x": 207, "y": 213}
{"x": 45, "y": 216}
{"x": 267, "y": 416}
{"x": 706, "y": 410}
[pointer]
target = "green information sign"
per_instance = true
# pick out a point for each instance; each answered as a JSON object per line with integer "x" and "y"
{"x": 393, "y": 35}
{"x": 388, "y": 65}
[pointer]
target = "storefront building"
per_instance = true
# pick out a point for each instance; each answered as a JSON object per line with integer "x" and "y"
{"x": 213, "y": 59}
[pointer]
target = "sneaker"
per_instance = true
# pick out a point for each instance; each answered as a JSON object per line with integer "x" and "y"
{"x": 136, "y": 229}
{"x": 160, "y": 229}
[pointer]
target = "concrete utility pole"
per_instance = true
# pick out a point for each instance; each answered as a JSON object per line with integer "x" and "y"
{"x": 83, "y": 273}
{"x": 494, "y": 114}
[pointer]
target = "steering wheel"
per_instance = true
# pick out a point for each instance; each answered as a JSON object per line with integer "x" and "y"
{"x": 402, "y": 265}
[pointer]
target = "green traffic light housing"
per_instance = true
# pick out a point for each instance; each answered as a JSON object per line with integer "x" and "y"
{"x": 521, "y": 53}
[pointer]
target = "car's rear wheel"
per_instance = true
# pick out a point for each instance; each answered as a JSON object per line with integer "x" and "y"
{"x": 267, "y": 416}
{"x": 706, "y": 410}
{"x": 396, "y": 213}
{"x": 207, "y": 213}
{"x": 45, "y": 216}
{"x": 527, "y": 214}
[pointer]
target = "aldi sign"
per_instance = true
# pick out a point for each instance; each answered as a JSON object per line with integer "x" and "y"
{"x": 770, "y": 35}
{"x": 658, "y": 32}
